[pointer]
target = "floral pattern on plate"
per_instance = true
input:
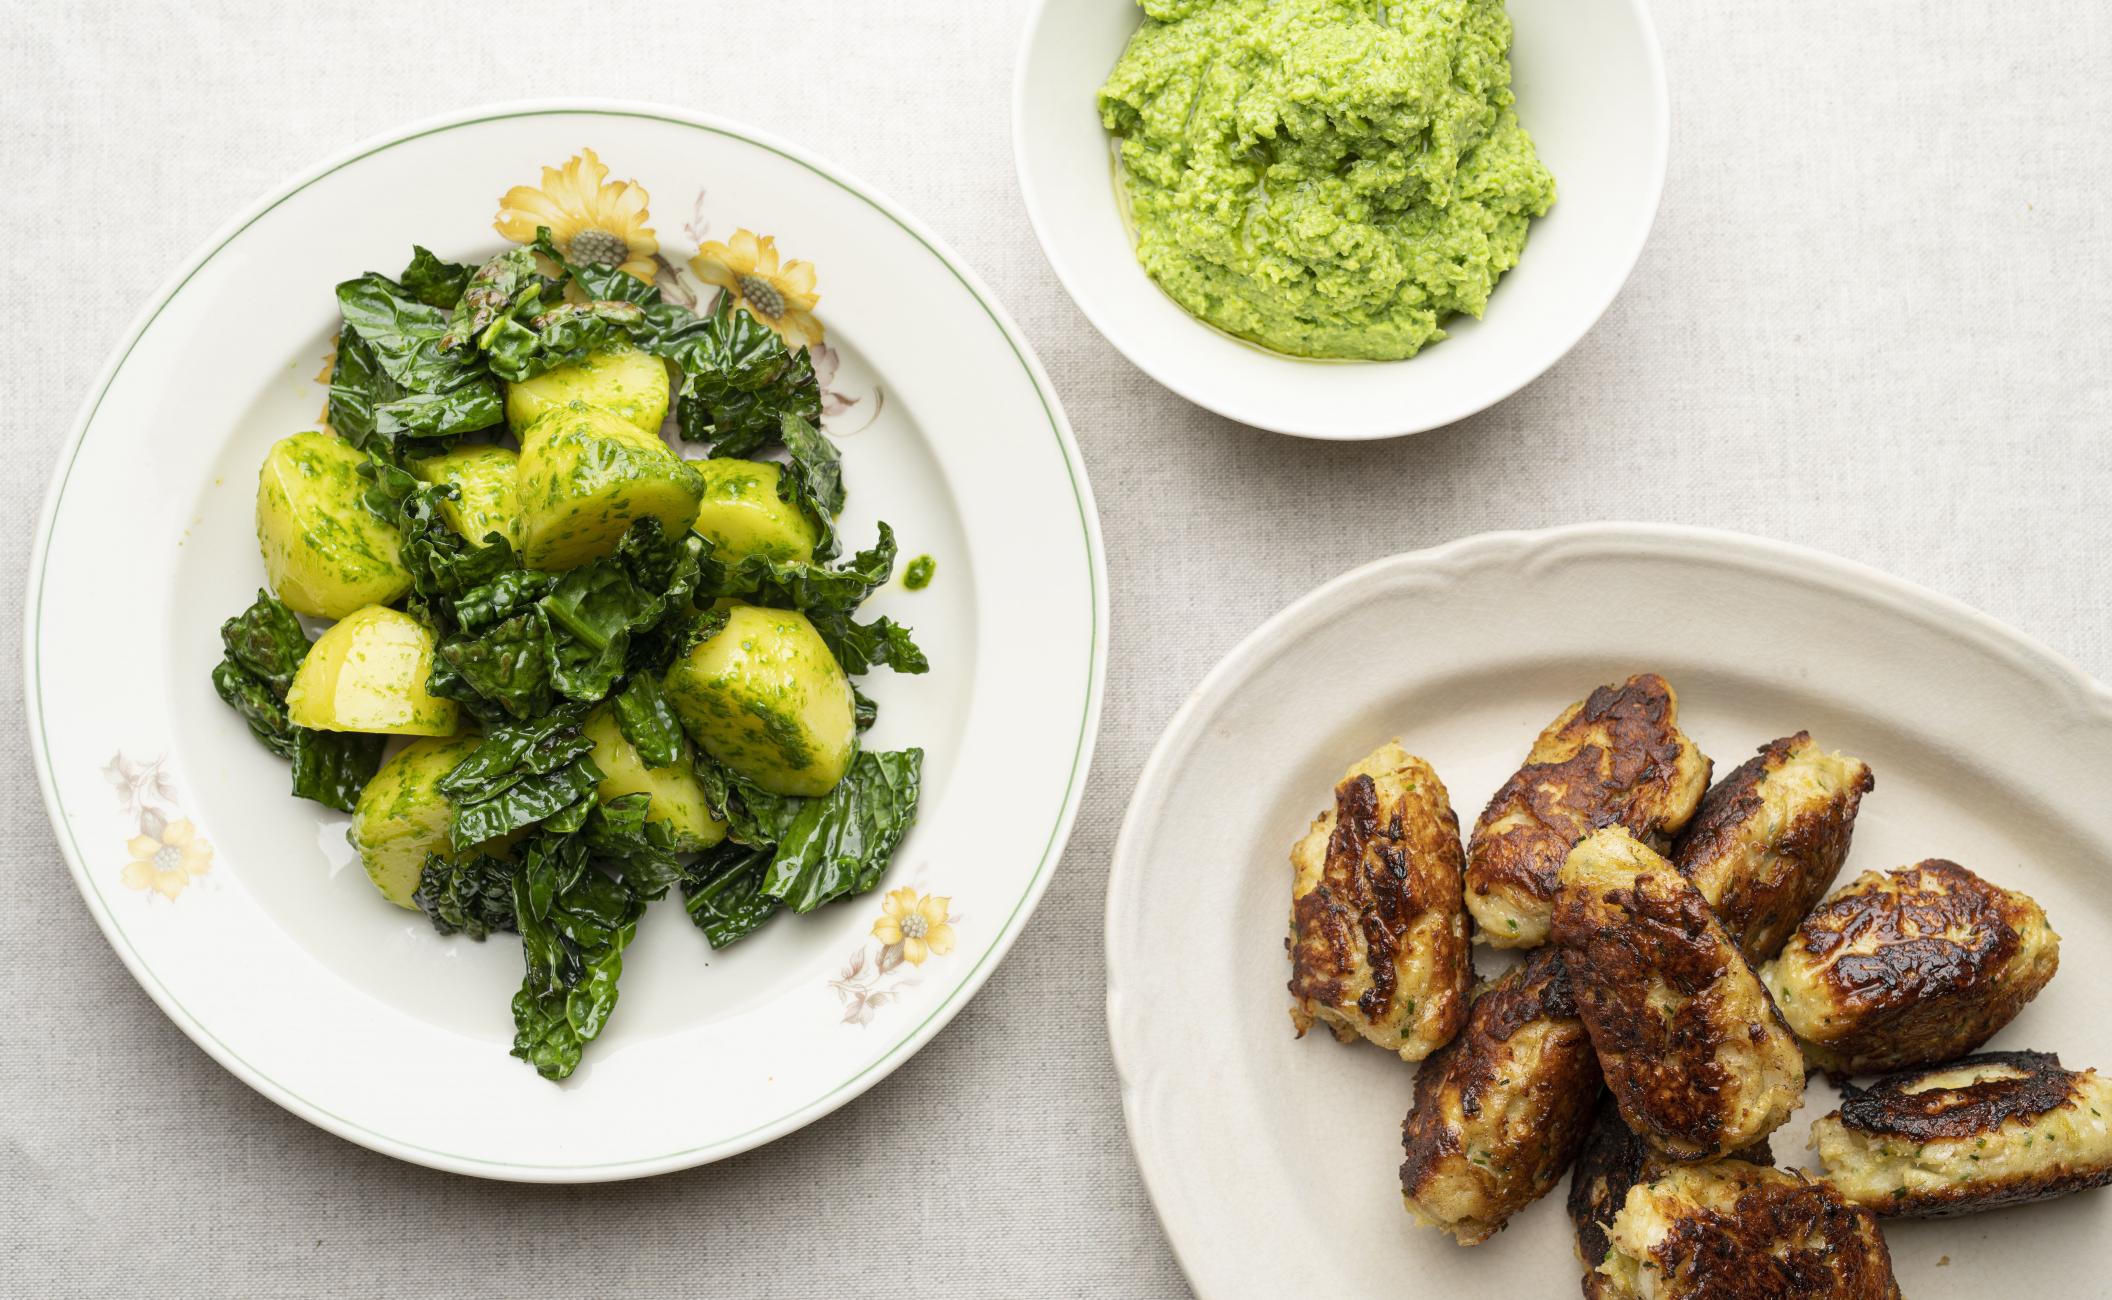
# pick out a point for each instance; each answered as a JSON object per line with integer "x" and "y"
{"x": 167, "y": 854}
{"x": 912, "y": 928}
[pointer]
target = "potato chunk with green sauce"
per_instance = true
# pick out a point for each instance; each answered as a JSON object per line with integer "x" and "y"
{"x": 586, "y": 476}
{"x": 678, "y": 797}
{"x": 765, "y": 697}
{"x": 402, "y": 816}
{"x": 623, "y": 381}
{"x": 743, "y": 513}
{"x": 325, "y": 553}
{"x": 485, "y": 478}
{"x": 367, "y": 673}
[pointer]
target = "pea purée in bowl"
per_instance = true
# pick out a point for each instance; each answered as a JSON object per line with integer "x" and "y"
{"x": 1325, "y": 178}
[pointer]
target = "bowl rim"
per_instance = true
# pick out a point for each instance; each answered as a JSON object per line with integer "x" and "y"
{"x": 1379, "y": 425}
{"x": 908, "y": 1043}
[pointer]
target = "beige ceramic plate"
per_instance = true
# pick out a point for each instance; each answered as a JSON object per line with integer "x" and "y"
{"x": 1273, "y": 1161}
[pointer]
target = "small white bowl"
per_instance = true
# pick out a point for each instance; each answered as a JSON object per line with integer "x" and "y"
{"x": 1590, "y": 82}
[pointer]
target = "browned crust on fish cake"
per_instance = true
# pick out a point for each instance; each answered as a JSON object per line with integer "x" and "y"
{"x": 1653, "y": 933}
{"x": 1712, "y": 1256}
{"x": 1384, "y": 873}
{"x": 1940, "y": 980}
{"x": 1761, "y": 914}
{"x": 1487, "y": 1077}
{"x": 1631, "y": 779}
{"x": 1613, "y": 1160}
{"x": 1888, "y": 1107}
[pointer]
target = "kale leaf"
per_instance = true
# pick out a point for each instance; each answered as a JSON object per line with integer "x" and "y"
{"x": 829, "y": 597}
{"x": 471, "y": 894}
{"x": 648, "y": 721}
{"x": 740, "y": 383}
{"x": 723, "y": 891}
{"x": 264, "y": 646}
{"x": 393, "y": 381}
{"x": 520, "y": 775}
{"x": 575, "y": 923}
{"x": 433, "y": 280}
{"x": 839, "y": 843}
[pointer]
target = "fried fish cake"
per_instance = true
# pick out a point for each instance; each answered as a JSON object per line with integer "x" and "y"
{"x": 1616, "y": 757}
{"x": 1910, "y": 967}
{"x": 1378, "y": 940}
{"x": 1499, "y": 1113}
{"x": 1696, "y": 1056}
{"x": 1614, "y": 1160}
{"x": 1770, "y": 838}
{"x": 1997, "y": 1129}
{"x": 1738, "y": 1231}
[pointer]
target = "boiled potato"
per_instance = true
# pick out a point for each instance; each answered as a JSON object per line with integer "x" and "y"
{"x": 585, "y": 475}
{"x": 623, "y": 381}
{"x": 325, "y": 553}
{"x": 765, "y": 697}
{"x": 402, "y": 816}
{"x": 485, "y": 477}
{"x": 678, "y": 798}
{"x": 367, "y": 673}
{"x": 743, "y": 514}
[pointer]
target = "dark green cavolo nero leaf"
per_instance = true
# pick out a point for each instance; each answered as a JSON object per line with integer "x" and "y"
{"x": 267, "y": 641}
{"x": 642, "y": 852}
{"x": 575, "y": 923}
{"x": 491, "y": 293}
{"x": 520, "y": 775}
{"x": 393, "y": 381}
{"x": 433, "y": 280}
{"x": 648, "y": 721}
{"x": 739, "y": 382}
{"x": 723, "y": 892}
{"x": 814, "y": 480}
{"x": 264, "y": 647}
{"x": 332, "y": 767}
{"x": 840, "y": 843}
{"x": 828, "y": 597}
{"x": 472, "y": 894}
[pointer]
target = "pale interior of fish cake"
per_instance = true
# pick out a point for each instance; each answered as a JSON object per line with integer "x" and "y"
{"x": 1875, "y": 1168}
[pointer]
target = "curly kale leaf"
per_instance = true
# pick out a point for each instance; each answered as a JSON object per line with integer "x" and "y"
{"x": 470, "y": 894}
{"x": 264, "y": 646}
{"x": 575, "y": 923}
{"x": 648, "y": 721}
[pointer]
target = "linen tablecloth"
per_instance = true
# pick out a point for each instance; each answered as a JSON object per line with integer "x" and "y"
{"x": 1875, "y": 317}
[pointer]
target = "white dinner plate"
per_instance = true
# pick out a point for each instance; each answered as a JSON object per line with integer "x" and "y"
{"x": 1273, "y": 1161}
{"x": 270, "y": 948}
{"x": 1590, "y": 82}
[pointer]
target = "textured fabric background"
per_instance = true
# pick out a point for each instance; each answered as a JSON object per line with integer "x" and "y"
{"x": 1876, "y": 317}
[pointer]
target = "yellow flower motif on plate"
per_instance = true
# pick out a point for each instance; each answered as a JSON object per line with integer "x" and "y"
{"x": 591, "y": 218}
{"x": 168, "y": 860}
{"x": 780, "y": 295}
{"x": 917, "y": 923}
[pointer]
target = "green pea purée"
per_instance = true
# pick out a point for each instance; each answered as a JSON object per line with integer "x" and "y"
{"x": 1327, "y": 178}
